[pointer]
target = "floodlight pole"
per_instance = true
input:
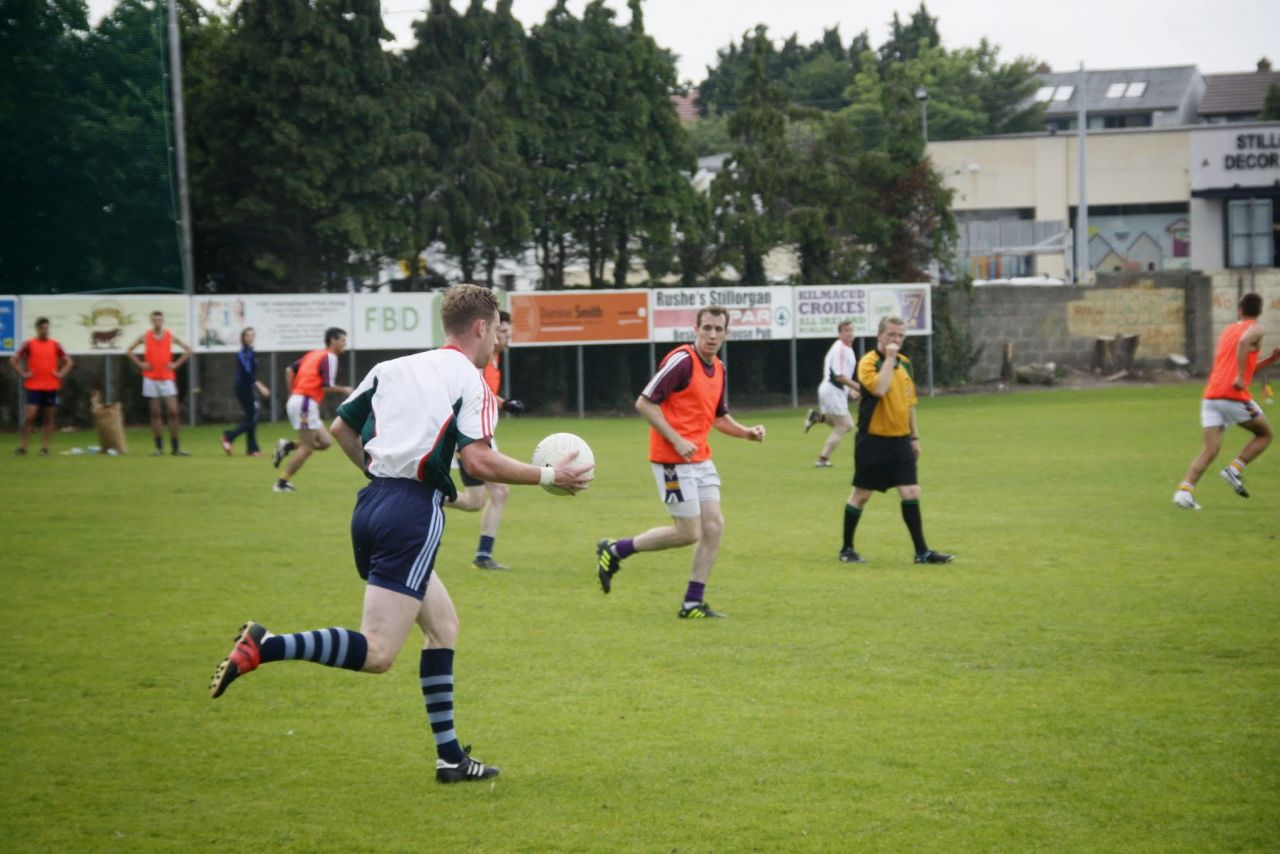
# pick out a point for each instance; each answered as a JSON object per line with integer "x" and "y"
{"x": 922, "y": 95}
{"x": 1082, "y": 202}
{"x": 180, "y": 146}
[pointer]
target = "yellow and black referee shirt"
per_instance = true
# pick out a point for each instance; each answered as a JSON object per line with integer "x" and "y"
{"x": 889, "y": 415}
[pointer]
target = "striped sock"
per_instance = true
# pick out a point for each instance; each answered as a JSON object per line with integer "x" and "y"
{"x": 1237, "y": 465}
{"x": 330, "y": 647}
{"x": 436, "y": 672}
{"x": 1187, "y": 486}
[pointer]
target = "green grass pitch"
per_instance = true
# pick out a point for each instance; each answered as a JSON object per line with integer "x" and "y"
{"x": 1097, "y": 671}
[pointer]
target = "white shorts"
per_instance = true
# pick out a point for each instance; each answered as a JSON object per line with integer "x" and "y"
{"x": 158, "y": 388}
{"x": 1220, "y": 412}
{"x": 681, "y": 486}
{"x": 304, "y": 413}
{"x": 833, "y": 399}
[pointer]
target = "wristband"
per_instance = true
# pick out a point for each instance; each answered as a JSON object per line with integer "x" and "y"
{"x": 547, "y": 477}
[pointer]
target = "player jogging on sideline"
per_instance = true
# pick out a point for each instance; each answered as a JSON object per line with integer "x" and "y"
{"x": 887, "y": 444}
{"x": 42, "y": 364}
{"x": 159, "y": 374}
{"x": 682, "y": 402}
{"x": 400, "y": 427}
{"x": 834, "y": 393}
{"x": 1226, "y": 401}
{"x": 310, "y": 379}
{"x": 476, "y": 494}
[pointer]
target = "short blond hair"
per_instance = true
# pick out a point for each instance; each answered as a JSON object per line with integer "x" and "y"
{"x": 712, "y": 309}
{"x": 462, "y": 305}
{"x": 890, "y": 321}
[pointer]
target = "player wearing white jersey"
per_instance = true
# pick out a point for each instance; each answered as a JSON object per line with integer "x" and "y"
{"x": 835, "y": 390}
{"x": 400, "y": 427}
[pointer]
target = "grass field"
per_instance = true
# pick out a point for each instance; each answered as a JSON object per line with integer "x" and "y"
{"x": 1097, "y": 671}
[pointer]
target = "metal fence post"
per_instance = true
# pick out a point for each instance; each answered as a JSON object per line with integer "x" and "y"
{"x": 582, "y": 412}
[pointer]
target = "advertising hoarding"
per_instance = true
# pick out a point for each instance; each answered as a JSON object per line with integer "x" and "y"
{"x": 755, "y": 314}
{"x": 283, "y": 322}
{"x": 102, "y": 325}
{"x": 820, "y": 308}
{"x": 579, "y": 317}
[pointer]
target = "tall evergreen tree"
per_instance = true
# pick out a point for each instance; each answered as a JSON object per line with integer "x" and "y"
{"x": 298, "y": 144}
{"x": 748, "y": 189}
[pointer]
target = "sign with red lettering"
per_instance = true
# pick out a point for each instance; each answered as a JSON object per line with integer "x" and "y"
{"x": 579, "y": 317}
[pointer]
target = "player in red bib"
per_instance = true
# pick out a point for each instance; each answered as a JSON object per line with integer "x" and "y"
{"x": 1227, "y": 401}
{"x": 159, "y": 379}
{"x": 682, "y": 402}
{"x": 309, "y": 380}
{"x": 42, "y": 363}
{"x": 477, "y": 495}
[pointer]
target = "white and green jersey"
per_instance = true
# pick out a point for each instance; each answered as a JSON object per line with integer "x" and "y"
{"x": 413, "y": 412}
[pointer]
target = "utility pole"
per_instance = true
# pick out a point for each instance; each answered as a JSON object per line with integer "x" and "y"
{"x": 1082, "y": 166}
{"x": 180, "y": 146}
{"x": 922, "y": 95}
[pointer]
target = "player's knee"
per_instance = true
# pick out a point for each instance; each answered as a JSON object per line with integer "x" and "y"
{"x": 688, "y": 532}
{"x": 712, "y": 527}
{"x": 498, "y": 493}
{"x": 378, "y": 659}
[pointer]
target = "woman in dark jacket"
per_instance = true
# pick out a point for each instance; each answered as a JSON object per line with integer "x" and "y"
{"x": 248, "y": 390}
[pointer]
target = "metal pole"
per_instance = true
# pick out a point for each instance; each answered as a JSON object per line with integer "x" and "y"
{"x": 106, "y": 379}
{"x": 724, "y": 357}
{"x": 924, "y": 121}
{"x": 275, "y": 398}
{"x": 351, "y": 368}
{"x": 582, "y": 409}
{"x": 1082, "y": 202}
{"x": 929, "y": 348}
{"x": 653, "y": 358}
{"x": 180, "y": 146}
{"x": 192, "y": 390}
{"x": 795, "y": 377}
{"x": 506, "y": 374}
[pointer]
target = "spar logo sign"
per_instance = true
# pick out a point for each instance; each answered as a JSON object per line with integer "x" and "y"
{"x": 755, "y": 314}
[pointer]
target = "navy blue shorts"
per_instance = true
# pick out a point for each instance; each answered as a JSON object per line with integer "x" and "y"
{"x": 396, "y": 530}
{"x": 41, "y": 398}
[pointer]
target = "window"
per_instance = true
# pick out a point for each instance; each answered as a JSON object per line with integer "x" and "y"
{"x": 1063, "y": 93}
{"x": 1044, "y": 93}
{"x": 1135, "y": 89}
{"x": 1249, "y": 233}
{"x": 1115, "y": 90}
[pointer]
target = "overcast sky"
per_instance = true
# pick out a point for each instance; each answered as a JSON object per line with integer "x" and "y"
{"x": 1216, "y": 35}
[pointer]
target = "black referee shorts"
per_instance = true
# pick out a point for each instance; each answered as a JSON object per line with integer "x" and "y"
{"x": 883, "y": 462}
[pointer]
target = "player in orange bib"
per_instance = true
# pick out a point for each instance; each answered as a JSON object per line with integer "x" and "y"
{"x": 682, "y": 402}
{"x": 1227, "y": 401}
{"x": 475, "y": 494}
{"x": 309, "y": 380}
{"x": 42, "y": 363}
{"x": 159, "y": 379}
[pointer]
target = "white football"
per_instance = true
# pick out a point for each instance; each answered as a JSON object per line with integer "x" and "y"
{"x": 556, "y": 447}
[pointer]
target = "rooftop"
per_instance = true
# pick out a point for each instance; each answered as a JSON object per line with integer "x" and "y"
{"x": 1116, "y": 90}
{"x": 1235, "y": 94}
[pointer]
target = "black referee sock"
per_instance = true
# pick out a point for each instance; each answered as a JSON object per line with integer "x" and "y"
{"x": 851, "y": 516}
{"x": 911, "y": 515}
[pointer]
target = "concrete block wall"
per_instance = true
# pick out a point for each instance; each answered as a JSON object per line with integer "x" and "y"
{"x": 1171, "y": 311}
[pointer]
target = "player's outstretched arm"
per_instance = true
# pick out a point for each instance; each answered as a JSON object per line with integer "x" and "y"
{"x": 727, "y": 425}
{"x": 349, "y": 440}
{"x": 483, "y": 462}
{"x": 1270, "y": 360}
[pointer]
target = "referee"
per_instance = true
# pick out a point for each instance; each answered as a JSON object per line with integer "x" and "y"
{"x": 888, "y": 442}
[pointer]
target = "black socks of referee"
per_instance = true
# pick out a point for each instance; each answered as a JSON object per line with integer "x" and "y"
{"x": 911, "y": 515}
{"x": 851, "y": 516}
